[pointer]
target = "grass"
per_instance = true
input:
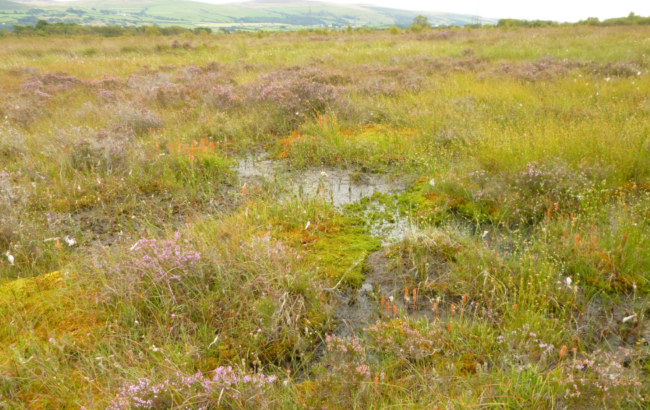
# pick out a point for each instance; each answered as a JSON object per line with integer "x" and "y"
{"x": 145, "y": 265}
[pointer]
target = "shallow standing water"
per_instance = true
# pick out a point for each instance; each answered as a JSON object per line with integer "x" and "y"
{"x": 341, "y": 186}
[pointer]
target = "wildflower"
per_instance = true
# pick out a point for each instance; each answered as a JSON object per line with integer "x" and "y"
{"x": 162, "y": 258}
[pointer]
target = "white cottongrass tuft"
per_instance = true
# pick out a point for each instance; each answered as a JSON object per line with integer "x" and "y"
{"x": 10, "y": 258}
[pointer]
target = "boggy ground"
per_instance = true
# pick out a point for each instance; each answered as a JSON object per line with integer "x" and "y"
{"x": 450, "y": 219}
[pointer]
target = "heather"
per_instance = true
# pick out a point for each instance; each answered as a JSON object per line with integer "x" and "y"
{"x": 452, "y": 218}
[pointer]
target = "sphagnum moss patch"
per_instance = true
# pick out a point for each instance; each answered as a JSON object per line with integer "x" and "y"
{"x": 52, "y": 306}
{"x": 509, "y": 269}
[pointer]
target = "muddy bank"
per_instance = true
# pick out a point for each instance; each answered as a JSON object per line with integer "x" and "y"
{"x": 617, "y": 323}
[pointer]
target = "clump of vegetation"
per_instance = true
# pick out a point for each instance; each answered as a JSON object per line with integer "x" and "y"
{"x": 137, "y": 117}
{"x": 197, "y": 389}
{"x": 12, "y": 142}
{"x": 107, "y": 150}
{"x": 294, "y": 94}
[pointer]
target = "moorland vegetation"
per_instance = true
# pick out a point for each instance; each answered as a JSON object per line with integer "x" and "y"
{"x": 145, "y": 266}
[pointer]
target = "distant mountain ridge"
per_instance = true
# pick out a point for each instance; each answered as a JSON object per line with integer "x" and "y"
{"x": 10, "y": 5}
{"x": 248, "y": 15}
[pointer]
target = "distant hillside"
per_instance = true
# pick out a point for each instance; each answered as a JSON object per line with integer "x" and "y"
{"x": 279, "y": 14}
{"x": 10, "y": 5}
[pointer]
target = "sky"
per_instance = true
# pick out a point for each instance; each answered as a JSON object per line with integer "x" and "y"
{"x": 558, "y": 10}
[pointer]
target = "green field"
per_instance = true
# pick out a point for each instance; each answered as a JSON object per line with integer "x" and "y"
{"x": 449, "y": 219}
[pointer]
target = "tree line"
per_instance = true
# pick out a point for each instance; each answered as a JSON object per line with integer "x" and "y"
{"x": 44, "y": 28}
{"x": 631, "y": 20}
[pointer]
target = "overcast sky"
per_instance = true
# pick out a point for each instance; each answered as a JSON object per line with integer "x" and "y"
{"x": 559, "y": 10}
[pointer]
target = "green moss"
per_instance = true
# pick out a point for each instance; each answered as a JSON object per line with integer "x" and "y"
{"x": 341, "y": 254}
{"x": 49, "y": 305}
{"x": 26, "y": 288}
{"x": 419, "y": 204}
{"x": 336, "y": 248}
